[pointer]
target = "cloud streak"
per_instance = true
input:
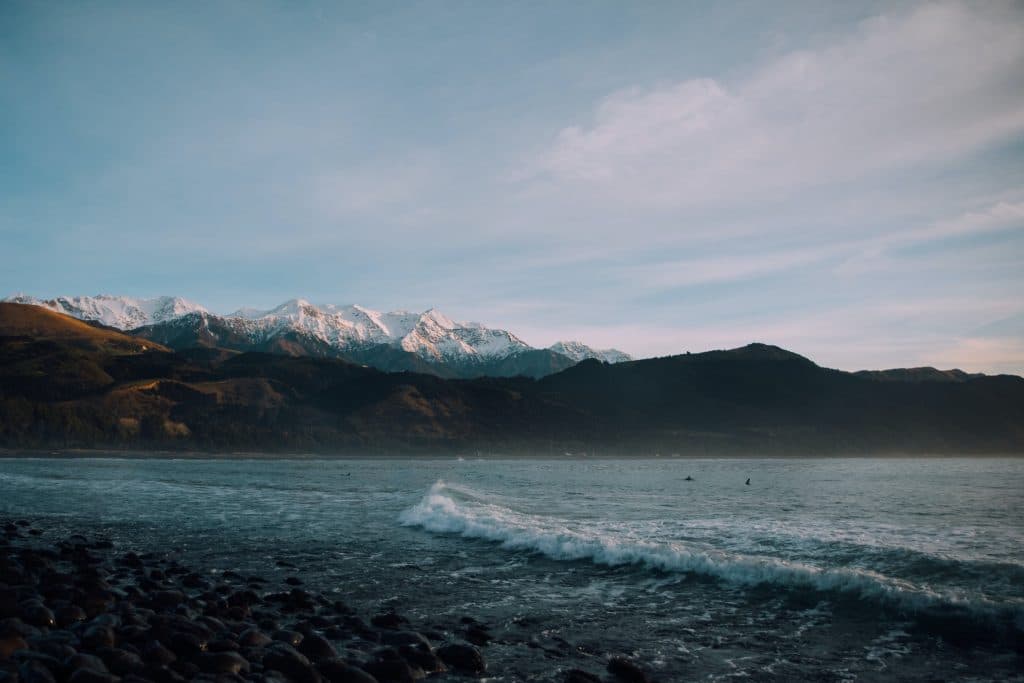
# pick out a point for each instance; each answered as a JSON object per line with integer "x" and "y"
{"x": 940, "y": 81}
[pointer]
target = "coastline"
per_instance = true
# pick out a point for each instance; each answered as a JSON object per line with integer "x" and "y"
{"x": 82, "y": 610}
{"x": 143, "y": 454}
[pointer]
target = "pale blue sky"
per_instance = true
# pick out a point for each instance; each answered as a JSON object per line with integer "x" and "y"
{"x": 842, "y": 179}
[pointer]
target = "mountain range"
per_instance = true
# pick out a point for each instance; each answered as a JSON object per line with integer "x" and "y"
{"x": 428, "y": 342}
{"x": 65, "y": 383}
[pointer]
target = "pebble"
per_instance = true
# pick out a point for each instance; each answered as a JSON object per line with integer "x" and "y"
{"x": 73, "y": 612}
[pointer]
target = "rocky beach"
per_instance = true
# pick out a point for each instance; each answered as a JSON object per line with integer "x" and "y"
{"x": 80, "y": 610}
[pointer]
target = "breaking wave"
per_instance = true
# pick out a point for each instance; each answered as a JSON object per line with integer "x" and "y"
{"x": 452, "y": 509}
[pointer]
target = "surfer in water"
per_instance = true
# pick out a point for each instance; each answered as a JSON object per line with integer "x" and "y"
{"x": 688, "y": 478}
{"x": 748, "y": 481}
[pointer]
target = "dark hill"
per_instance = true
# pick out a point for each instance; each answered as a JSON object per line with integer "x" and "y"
{"x": 66, "y": 384}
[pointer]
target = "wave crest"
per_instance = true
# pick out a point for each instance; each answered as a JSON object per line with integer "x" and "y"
{"x": 454, "y": 509}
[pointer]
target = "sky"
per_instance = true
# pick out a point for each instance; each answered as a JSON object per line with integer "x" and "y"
{"x": 845, "y": 180}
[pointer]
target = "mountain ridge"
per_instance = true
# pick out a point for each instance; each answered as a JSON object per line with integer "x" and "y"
{"x": 66, "y": 384}
{"x": 443, "y": 346}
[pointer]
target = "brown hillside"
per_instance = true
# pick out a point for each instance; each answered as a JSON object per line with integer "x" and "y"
{"x": 23, "y": 320}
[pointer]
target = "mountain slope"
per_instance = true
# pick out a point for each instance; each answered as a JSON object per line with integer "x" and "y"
{"x": 754, "y": 400}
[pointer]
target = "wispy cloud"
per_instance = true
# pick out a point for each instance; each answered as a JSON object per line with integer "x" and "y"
{"x": 940, "y": 81}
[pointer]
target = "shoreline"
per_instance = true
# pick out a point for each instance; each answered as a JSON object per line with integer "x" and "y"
{"x": 142, "y": 454}
{"x": 82, "y": 610}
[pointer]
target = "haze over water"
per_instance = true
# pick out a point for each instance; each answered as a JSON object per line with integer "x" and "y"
{"x": 820, "y": 569}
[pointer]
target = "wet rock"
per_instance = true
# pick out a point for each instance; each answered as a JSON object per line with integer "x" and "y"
{"x": 35, "y": 671}
{"x": 626, "y": 670}
{"x": 97, "y": 636}
{"x": 68, "y": 615}
{"x": 84, "y": 661}
{"x": 254, "y": 638}
{"x": 92, "y": 676}
{"x": 223, "y": 645}
{"x": 223, "y": 663}
{"x": 34, "y": 612}
{"x": 293, "y": 581}
{"x": 340, "y": 671}
{"x": 17, "y": 627}
{"x": 463, "y": 656}
{"x": 122, "y": 662}
{"x": 317, "y": 647}
{"x": 10, "y": 644}
{"x": 293, "y": 664}
{"x": 580, "y": 676}
{"x": 167, "y": 599}
{"x": 478, "y": 635}
{"x": 292, "y": 638}
{"x": 155, "y": 653}
{"x": 394, "y": 671}
{"x": 411, "y": 638}
{"x": 186, "y": 644}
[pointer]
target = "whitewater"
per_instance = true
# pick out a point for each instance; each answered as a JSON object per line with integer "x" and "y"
{"x": 854, "y": 569}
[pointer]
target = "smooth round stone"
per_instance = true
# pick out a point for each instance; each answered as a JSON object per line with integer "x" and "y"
{"x": 155, "y": 653}
{"x": 92, "y": 676}
{"x": 462, "y": 656}
{"x": 317, "y": 647}
{"x": 9, "y": 644}
{"x": 394, "y": 671}
{"x": 340, "y": 671}
{"x": 68, "y": 615}
{"x": 84, "y": 661}
{"x": 626, "y": 670}
{"x": 292, "y": 638}
{"x": 254, "y": 638}
{"x": 98, "y": 636}
{"x": 223, "y": 663}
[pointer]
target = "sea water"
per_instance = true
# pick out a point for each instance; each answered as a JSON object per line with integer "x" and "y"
{"x": 818, "y": 569}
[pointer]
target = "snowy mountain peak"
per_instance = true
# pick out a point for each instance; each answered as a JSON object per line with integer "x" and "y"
{"x": 578, "y": 351}
{"x": 122, "y": 312}
{"x": 431, "y": 334}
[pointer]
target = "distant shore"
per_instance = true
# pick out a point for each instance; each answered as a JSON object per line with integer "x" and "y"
{"x": 141, "y": 454}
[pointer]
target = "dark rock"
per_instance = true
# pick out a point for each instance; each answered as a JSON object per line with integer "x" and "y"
{"x": 580, "y": 676}
{"x": 292, "y": 638}
{"x": 92, "y": 676}
{"x": 84, "y": 661}
{"x": 317, "y": 647}
{"x": 37, "y": 614}
{"x": 97, "y": 636}
{"x": 293, "y": 581}
{"x": 223, "y": 663}
{"x": 167, "y": 599}
{"x": 156, "y": 653}
{"x": 394, "y": 671}
{"x": 223, "y": 645}
{"x": 410, "y": 638}
{"x": 122, "y": 662}
{"x": 462, "y": 656}
{"x": 254, "y": 638}
{"x": 17, "y": 627}
{"x": 626, "y": 670}
{"x": 10, "y": 644}
{"x": 35, "y": 671}
{"x": 426, "y": 660}
{"x": 68, "y": 615}
{"x": 186, "y": 644}
{"x": 340, "y": 671}
{"x": 478, "y": 635}
{"x": 293, "y": 664}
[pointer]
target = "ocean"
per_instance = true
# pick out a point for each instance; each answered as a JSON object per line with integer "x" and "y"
{"x": 819, "y": 569}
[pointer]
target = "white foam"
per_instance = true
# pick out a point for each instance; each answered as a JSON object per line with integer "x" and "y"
{"x": 455, "y": 509}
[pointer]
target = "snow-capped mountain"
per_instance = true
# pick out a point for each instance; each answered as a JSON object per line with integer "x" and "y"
{"x": 578, "y": 351}
{"x": 352, "y": 332}
{"x": 122, "y": 312}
